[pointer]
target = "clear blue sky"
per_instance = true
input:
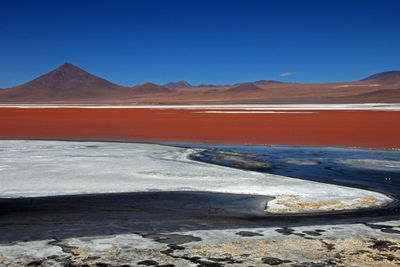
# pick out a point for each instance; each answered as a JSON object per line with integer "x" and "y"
{"x": 132, "y": 42}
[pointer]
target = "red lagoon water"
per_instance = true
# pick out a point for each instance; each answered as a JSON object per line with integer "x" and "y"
{"x": 375, "y": 129}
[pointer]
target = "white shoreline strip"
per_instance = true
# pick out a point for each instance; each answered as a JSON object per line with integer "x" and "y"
{"x": 368, "y": 106}
{"x": 254, "y": 112}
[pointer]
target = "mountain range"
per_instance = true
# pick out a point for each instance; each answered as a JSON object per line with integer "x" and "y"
{"x": 71, "y": 84}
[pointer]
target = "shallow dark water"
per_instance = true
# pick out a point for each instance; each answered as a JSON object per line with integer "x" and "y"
{"x": 150, "y": 212}
{"x": 147, "y": 212}
{"x": 144, "y": 212}
{"x": 375, "y": 170}
{"x": 328, "y": 166}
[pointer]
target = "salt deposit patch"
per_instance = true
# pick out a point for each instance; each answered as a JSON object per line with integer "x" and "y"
{"x": 47, "y": 168}
{"x": 318, "y": 245}
{"x": 354, "y": 85}
{"x": 301, "y": 162}
{"x": 373, "y": 163}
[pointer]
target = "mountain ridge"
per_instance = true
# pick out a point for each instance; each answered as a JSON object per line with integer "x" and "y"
{"x": 71, "y": 84}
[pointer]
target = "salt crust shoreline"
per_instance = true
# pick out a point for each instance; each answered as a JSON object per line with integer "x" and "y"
{"x": 365, "y": 106}
{"x": 49, "y": 168}
{"x": 367, "y": 244}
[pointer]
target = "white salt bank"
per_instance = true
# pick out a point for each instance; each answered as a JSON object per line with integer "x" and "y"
{"x": 49, "y": 168}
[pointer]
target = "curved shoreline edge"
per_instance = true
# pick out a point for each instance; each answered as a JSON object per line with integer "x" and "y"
{"x": 84, "y": 173}
{"x": 285, "y": 203}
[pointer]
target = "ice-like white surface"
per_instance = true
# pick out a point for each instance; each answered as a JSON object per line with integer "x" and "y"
{"x": 366, "y": 106}
{"x": 335, "y": 231}
{"x": 301, "y": 162}
{"x": 45, "y": 168}
{"x": 367, "y": 85}
{"x": 39, "y": 249}
{"x": 373, "y": 163}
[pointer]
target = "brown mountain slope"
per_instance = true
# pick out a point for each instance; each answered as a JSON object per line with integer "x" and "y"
{"x": 385, "y": 77}
{"x": 66, "y": 83}
{"x": 383, "y": 95}
{"x": 149, "y": 88}
{"x": 244, "y": 88}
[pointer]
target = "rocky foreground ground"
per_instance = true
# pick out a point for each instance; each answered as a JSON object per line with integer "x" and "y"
{"x": 364, "y": 244}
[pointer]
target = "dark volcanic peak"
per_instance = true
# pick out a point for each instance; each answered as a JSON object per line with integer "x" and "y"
{"x": 68, "y": 67}
{"x": 245, "y": 87}
{"x": 149, "y": 88}
{"x": 180, "y": 84}
{"x": 67, "y": 77}
{"x": 388, "y": 76}
{"x": 66, "y": 83}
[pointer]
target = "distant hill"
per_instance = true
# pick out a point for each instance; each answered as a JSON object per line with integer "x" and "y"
{"x": 149, "y": 88}
{"x": 260, "y": 83}
{"x": 266, "y": 82}
{"x": 384, "y": 95}
{"x": 180, "y": 84}
{"x": 245, "y": 88}
{"x": 385, "y": 77}
{"x": 212, "y": 85}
